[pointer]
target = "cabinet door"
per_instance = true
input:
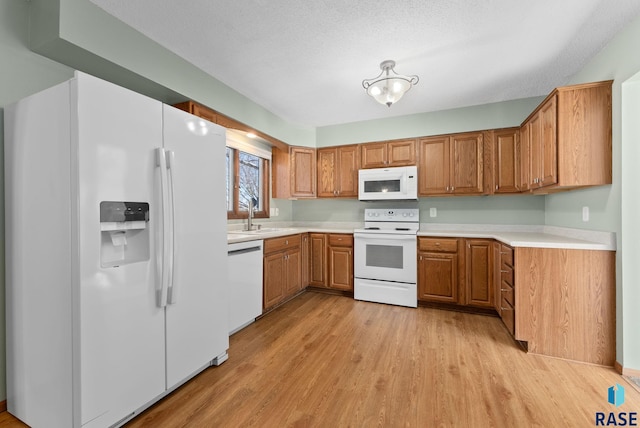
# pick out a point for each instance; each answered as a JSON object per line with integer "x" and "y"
{"x": 304, "y": 260}
{"x": 341, "y": 268}
{"x": 293, "y": 278}
{"x": 525, "y": 153}
{"x": 549, "y": 144}
{"x": 373, "y": 155}
{"x": 466, "y": 163}
{"x": 303, "y": 172}
{"x": 497, "y": 279}
{"x": 438, "y": 277}
{"x": 506, "y": 167}
{"x": 401, "y": 153}
{"x": 535, "y": 151}
{"x": 274, "y": 274}
{"x": 479, "y": 285}
{"x": 327, "y": 172}
{"x": 433, "y": 173}
{"x": 318, "y": 260}
{"x": 347, "y": 175}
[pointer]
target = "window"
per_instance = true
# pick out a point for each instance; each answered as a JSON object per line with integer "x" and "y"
{"x": 247, "y": 179}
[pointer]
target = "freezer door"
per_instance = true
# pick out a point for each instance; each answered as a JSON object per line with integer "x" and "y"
{"x": 121, "y": 328}
{"x": 196, "y": 325}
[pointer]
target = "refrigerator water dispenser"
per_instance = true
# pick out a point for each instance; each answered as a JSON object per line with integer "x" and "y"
{"x": 124, "y": 233}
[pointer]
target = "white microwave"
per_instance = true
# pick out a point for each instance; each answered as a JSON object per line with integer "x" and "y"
{"x": 400, "y": 183}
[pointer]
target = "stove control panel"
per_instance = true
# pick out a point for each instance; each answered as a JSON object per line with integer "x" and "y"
{"x": 410, "y": 215}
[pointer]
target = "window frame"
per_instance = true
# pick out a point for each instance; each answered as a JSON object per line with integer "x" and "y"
{"x": 236, "y": 213}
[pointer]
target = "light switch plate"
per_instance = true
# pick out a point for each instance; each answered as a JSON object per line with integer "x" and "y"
{"x": 585, "y": 214}
{"x": 433, "y": 212}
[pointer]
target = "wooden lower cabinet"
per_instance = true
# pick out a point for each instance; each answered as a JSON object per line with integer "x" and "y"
{"x": 304, "y": 260}
{"x": 317, "y": 260}
{"x": 282, "y": 269}
{"x": 438, "y": 270}
{"x": 565, "y": 303}
{"x": 340, "y": 262}
{"x": 479, "y": 288}
{"x": 504, "y": 280}
{"x": 331, "y": 261}
{"x": 458, "y": 271}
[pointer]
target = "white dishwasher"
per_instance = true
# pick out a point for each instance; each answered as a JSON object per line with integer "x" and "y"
{"x": 245, "y": 283}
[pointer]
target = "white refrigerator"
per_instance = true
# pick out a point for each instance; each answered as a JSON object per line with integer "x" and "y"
{"x": 115, "y": 253}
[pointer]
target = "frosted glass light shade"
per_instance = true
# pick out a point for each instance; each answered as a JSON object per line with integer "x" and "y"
{"x": 388, "y": 87}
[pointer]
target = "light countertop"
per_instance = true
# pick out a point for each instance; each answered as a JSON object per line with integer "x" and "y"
{"x": 513, "y": 235}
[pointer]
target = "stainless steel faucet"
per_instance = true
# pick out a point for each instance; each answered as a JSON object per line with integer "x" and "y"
{"x": 250, "y": 216}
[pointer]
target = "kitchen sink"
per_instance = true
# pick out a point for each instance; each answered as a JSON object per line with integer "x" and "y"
{"x": 261, "y": 230}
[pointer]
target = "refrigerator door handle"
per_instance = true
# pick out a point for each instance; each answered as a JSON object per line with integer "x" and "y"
{"x": 171, "y": 289}
{"x": 162, "y": 285}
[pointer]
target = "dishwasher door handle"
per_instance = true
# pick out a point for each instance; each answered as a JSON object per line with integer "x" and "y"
{"x": 244, "y": 250}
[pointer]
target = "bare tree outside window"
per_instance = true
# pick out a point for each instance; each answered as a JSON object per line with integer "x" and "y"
{"x": 250, "y": 183}
{"x": 247, "y": 180}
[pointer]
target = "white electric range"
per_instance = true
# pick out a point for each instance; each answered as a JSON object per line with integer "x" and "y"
{"x": 385, "y": 257}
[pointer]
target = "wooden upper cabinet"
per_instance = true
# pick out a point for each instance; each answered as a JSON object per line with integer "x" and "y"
{"x": 467, "y": 163}
{"x": 388, "y": 154}
{"x": 433, "y": 172}
{"x": 543, "y": 146}
{"x": 569, "y": 139}
{"x": 303, "y": 172}
{"x": 525, "y": 137}
{"x": 451, "y": 164}
{"x": 506, "y": 160}
{"x": 338, "y": 171}
{"x": 293, "y": 172}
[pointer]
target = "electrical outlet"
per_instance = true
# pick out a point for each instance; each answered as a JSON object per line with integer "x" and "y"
{"x": 585, "y": 214}
{"x": 433, "y": 212}
{"x": 274, "y": 212}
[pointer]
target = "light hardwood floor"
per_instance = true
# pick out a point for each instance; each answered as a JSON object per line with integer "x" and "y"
{"x": 330, "y": 361}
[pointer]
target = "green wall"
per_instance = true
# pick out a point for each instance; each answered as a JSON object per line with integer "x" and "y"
{"x": 514, "y": 209}
{"x": 474, "y": 118}
{"x": 22, "y": 73}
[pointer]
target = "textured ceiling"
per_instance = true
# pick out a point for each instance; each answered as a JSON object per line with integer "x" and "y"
{"x": 305, "y": 60}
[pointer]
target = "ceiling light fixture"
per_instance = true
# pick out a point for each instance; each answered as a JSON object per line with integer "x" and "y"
{"x": 389, "y": 86}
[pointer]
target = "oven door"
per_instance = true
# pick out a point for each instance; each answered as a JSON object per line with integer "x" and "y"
{"x": 385, "y": 257}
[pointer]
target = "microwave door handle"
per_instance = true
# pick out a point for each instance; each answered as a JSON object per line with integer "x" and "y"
{"x": 404, "y": 184}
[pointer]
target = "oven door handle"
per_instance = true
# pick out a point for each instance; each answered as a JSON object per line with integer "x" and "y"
{"x": 384, "y": 236}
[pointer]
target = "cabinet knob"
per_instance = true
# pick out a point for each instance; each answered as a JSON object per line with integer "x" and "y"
{"x": 286, "y": 242}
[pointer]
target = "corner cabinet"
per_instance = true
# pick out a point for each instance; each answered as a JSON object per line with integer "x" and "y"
{"x": 479, "y": 288}
{"x": 388, "y": 154}
{"x": 294, "y": 172}
{"x": 506, "y": 161}
{"x": 282, "y": 269}
{"x": 338, "y": 171}
{"x": 331, "y": 261}
{"x": 451, "y": 164}
{"x": 566, "y": 141}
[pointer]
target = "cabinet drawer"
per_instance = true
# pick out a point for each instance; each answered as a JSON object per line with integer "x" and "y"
{"x": 507, "y": 292}
{"x": 506, "y": 255}
{"x": 340, "y": 240}
{"x": 446, "y": 245}
{"x": 506, "y": 274}
{"x": 278, "y": 244}
{"x": 508, "y": 316}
